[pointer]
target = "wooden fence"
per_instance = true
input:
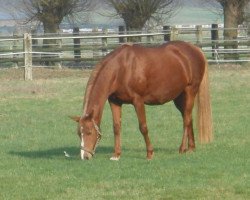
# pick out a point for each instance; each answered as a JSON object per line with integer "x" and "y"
{"x": 87, "y": 48}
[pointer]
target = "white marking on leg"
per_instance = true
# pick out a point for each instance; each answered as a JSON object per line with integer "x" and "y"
{"x": 82, "y": 146}
{"x": 115, "y": 158}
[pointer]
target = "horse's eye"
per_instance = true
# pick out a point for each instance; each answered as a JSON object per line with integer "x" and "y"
{"x": 91, "y": 131}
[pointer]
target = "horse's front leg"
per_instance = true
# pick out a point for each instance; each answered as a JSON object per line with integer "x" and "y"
{"x": 140, "y": 111}
{"x": 116, "y": 112}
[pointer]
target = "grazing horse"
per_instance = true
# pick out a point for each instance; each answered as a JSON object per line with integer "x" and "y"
{"x": 137, "y": 75}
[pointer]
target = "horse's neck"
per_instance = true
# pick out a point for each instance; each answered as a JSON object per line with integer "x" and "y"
{"x": 97, "y": 92}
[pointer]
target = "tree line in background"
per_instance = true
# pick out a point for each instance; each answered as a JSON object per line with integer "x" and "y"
{"x": 136, "y": 14}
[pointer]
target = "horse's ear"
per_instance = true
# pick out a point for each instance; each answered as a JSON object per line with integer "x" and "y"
{"x": 75, "y": 118}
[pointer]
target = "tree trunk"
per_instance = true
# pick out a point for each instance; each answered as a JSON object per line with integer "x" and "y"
{"x": 134, "y": 24}
{"x": 134, "y": 28}
{"x": 50, "y": 28}
{"x": 134, "y": 39}
{"x": 230, "y": 31}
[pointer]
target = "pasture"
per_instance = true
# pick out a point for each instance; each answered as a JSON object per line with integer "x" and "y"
{"x": 35, "y": 131}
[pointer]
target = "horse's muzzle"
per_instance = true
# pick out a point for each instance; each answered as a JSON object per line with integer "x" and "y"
{"x": 85, "y": 155}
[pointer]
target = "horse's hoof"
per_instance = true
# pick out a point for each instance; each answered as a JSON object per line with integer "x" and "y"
{"x": 190, "y": 150}
{"x": 150, "y": 155}
{"x": 113, "y": 158}
{"x": 182, "y": 151}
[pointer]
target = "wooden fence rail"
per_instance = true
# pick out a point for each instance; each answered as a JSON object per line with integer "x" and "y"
{"x": 89, "y": 48}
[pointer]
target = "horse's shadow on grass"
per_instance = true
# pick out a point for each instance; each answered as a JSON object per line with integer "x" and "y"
{"x": 74, "y": 152}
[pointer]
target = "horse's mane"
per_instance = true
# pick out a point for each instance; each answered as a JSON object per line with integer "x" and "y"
{"x": 89, "y": 86}
{"x": 95, "y": 73}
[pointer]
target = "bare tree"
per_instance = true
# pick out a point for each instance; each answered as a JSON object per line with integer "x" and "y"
{"x": 48, "y": 12}
{"x": 136, "y": 13}
{"x": 234, "y": 15}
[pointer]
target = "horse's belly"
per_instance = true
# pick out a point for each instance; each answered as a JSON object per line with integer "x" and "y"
{"x": 161, "y": 95}
{"x": 159, "y": 99}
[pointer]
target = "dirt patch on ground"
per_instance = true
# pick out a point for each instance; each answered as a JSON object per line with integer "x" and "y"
{"x": 43, "y": 73}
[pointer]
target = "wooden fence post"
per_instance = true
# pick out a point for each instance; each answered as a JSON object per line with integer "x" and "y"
{"x": 27, "y": 44}
{"x": 167, "y": 35}
{"x": 248, "y": 33}
{"x": 59, "y": 47}
{"x": 104, "y": 42}
{"x": 77, "y": 51}
{"x": 15, "y": 47}
{"x": 174, "y": 33}
{"x": 121, "y": 31}
{"x": 96, "y": 52}
{"x": 199, "y": 36}
{"x": 214, "y": 39}
{"x": 150, "y": 38}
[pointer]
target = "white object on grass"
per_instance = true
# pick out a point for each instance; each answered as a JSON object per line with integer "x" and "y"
{"x": 66, "y": 154}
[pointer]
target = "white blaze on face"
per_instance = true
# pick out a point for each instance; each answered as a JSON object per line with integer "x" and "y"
{"x": 82, "y": 146}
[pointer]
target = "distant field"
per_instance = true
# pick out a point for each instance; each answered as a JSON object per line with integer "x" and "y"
{"x": 35, "y": 130}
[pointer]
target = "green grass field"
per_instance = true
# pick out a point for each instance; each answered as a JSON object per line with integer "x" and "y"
{"x": 35, "y": 131}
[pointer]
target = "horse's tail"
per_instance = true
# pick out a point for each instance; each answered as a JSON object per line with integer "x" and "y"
{"x": 204, "y": 114}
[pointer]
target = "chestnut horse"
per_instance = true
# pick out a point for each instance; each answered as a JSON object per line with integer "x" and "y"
{"x": 137, "y": 75}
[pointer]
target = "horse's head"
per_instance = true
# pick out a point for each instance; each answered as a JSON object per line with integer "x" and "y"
{"x": 89, "y": 134}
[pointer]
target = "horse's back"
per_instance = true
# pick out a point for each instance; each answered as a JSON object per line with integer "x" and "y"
{"x": 196, "y": 59}
{"x": 158, "y": 74}
{"x": 193, "y": 53}
{"x": 169, "y": 54}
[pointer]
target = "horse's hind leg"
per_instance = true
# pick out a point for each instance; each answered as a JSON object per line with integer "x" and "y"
{"x": 141, "y": 115}
{"x": 116, "y": 112}
{"x": 185, "y": 102}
